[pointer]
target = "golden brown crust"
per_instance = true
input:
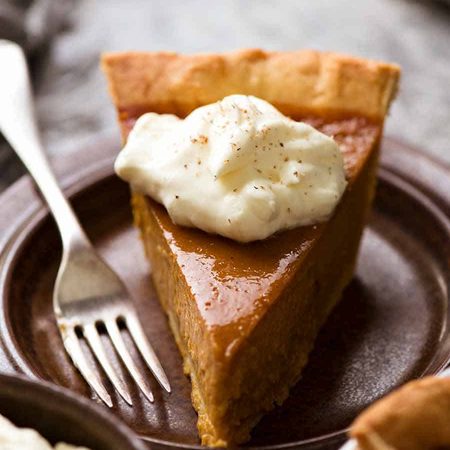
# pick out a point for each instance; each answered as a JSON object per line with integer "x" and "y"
{"x": 415, "y": 417}
{"x": 295, "y": 82}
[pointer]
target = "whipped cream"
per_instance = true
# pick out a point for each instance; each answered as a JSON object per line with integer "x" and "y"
{"x": 238, "y": 168}
{"x": 13, "y": 438}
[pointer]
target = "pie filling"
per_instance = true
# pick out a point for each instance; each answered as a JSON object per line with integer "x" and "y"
{"x": 215, "y": 292}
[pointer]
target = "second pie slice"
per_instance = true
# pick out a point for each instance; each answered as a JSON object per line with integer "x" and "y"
{"x": 245, "y": 316}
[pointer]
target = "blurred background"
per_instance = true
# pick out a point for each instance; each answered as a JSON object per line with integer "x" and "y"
{"x": 64, "y": 39}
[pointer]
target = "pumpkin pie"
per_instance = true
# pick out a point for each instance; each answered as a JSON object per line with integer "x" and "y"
{"x": 414, "y": 417}
{"x": 245, "y": 316}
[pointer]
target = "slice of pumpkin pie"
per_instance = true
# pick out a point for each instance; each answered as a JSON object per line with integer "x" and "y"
{"x": 252, "y": 175}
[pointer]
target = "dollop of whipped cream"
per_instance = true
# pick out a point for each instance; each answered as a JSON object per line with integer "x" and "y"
{"x": 237, "y": 167}
{"x": 13, "y": 438}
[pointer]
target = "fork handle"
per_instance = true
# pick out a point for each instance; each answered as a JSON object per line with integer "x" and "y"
{"x": 18, "y": 125}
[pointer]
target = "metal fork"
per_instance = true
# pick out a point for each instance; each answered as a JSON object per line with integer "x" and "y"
{"x": 351, "y": 444}
{"x": 87, "y": 292}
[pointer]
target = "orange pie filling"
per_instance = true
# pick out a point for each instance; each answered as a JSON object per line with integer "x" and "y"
{"x": 219, "y": 291}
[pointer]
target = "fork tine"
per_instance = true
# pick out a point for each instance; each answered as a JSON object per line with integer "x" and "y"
{"x": 119, "y": 345}
{"x": 73, "y": 348}
{"x": 91, "y": 334}
{"x": 147, "y": 351}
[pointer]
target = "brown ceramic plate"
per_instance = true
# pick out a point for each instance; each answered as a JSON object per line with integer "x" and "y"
{"x": 61, "y": 416}
{"x": 391, "y": 326}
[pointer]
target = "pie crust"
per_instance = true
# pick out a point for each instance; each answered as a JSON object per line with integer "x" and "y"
{"x": 297, "y": 83}
{"x": 414, "y": 417}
